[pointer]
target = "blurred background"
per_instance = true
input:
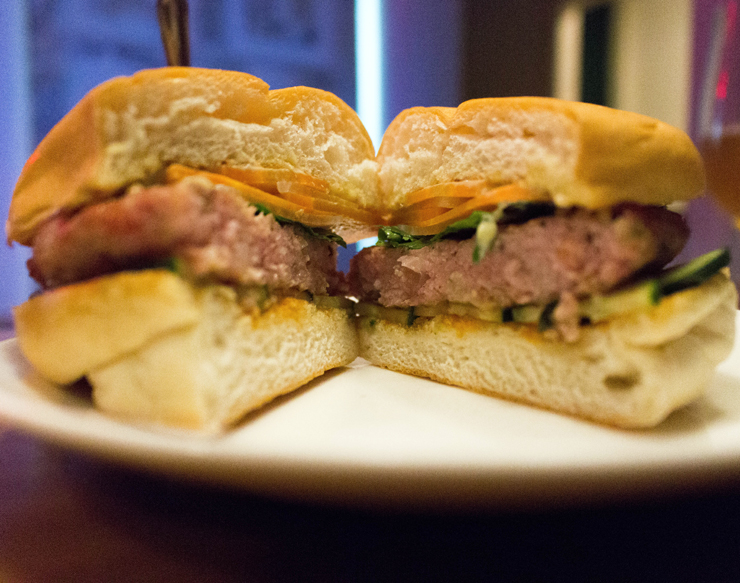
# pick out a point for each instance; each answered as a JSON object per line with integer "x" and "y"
{"x": 380, "y": 56}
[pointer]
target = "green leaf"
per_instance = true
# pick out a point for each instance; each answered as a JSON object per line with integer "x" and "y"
{"x": 323, "y": 234}
{"x": 315, "y": 232}
{"x": 505, "y": 213}
{"x": 395, "y": 237}
{"x": 261, "y": 209}
{"x": 470, "y": 223}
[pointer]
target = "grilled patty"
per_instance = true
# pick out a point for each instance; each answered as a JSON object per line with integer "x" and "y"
{"x": 574, "y": 253}
{"x": 212, "y": 232}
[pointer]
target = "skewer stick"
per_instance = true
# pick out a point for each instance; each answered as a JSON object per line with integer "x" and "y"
{"x": 173, "y": 24}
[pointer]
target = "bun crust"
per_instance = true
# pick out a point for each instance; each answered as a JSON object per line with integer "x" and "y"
{"x": 156, "y": 349}
{"x": 582, "y": 154}
{"x": 630, "y": 373}
{"x": 71, "y": 330}
{"x": 129, "y": 128}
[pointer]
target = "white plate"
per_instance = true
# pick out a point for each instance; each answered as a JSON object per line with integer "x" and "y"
{"x": 367, "y": 436}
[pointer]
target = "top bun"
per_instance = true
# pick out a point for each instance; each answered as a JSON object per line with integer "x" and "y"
{"x": 579, "y": 153}
{"x": 130, "y": 128}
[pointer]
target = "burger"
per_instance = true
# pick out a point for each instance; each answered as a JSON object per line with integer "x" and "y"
{"x": 525, "y": 257}
{"x": 184, "y": 224}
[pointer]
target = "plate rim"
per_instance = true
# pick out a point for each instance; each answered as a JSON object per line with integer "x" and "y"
{"x": 366, "y": 482}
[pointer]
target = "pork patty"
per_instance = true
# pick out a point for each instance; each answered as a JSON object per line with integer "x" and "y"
{"x": 210, "y": 229}
{"x": 573, "y": 253}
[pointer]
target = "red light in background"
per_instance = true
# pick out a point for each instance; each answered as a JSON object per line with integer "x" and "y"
{"x": 731, "y": 15}
{"x": 724, "y": 76}
{"x": 722, "y": 82}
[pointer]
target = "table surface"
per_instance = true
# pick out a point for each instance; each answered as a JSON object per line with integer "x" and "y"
{"x": 64, "y": 517}
{"x": 67, "y": 517}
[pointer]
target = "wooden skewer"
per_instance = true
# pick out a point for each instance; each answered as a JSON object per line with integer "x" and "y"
{"x": 173, "y": 24}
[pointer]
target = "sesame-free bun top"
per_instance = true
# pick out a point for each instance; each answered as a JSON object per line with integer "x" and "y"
{"x": 579, "y": 153}
{"x": 129, "y": 129}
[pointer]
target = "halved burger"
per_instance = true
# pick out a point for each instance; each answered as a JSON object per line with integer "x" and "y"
{"x": 184, "y": 225}
{"x": 527, "y": 254}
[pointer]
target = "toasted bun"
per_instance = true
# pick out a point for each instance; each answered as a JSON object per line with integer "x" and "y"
{"x": 581, "y": 154}
{"x": 157, "y": 349}
{"x": 128, "y": 129}
{"x": 631, "y": 372}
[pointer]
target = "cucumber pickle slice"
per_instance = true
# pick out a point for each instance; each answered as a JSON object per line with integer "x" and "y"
{"x": 637, "y": 297}
{"x": 695, "y": 272}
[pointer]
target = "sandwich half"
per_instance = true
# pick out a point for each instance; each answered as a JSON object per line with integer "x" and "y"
{"x": 527, "y": 259}
{"x": 184, "y": 225}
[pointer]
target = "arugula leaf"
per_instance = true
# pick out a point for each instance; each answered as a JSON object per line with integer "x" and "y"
{"x": 470, "y": 223}
{"x": 395, "y": 237}
{"x": 261, "y": 209}
{"x": 462, "y": 229}
{"x": 322, "y": 234}
{"x": 316, "y": 232}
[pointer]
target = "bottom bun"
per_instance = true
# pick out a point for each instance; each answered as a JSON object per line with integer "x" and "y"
{"x": 631, "y": 372}
{"x": 180, "y": 355}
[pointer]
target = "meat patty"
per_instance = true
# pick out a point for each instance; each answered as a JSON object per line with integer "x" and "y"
{"x": 575, "y": 252}
{"x": 214, "y": 232}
